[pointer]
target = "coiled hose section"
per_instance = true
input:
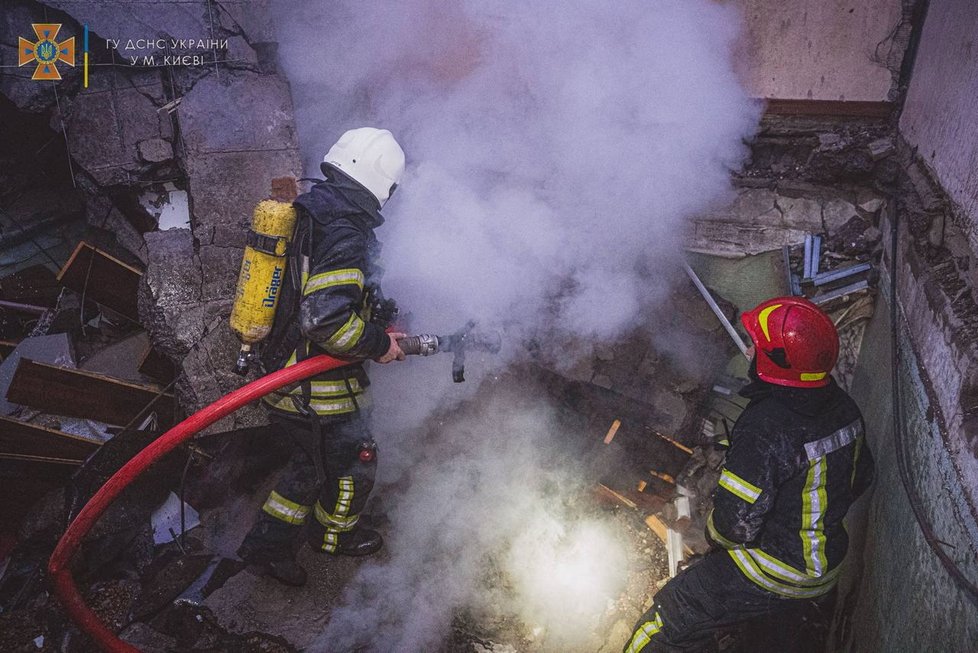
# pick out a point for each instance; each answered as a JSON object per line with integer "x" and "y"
{"x": 59, "y": 565}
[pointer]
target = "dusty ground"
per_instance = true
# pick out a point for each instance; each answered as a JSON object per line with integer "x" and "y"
{"x": 250, "y": 602}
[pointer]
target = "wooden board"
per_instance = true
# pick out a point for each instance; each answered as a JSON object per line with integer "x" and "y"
{"x": 23, "y": 441}
{"x": 829, "y": 108}
{"x": 85, "y": 394}
{"x": 103, "y": 279}
{"x": 36, "y": 285}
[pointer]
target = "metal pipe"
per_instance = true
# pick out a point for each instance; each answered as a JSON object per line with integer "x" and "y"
{"x": 841, "y": 273}
{"x": 716, "y": 309}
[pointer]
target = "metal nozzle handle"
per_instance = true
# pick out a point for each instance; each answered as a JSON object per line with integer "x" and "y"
{"x": 420, "y": 345}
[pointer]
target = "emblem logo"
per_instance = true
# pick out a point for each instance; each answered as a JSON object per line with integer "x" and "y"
{"x": 46, "y": 51}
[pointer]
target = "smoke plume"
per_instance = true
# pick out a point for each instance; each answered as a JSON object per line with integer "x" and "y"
{"x": 554, "y": 151}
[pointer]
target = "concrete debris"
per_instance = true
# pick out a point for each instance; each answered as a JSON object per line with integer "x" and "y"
{"x": 155, "y": 150}
{"x": 881, "y": 148}
{"x": 87, "y": 428}
{"x": 836, "y": 213}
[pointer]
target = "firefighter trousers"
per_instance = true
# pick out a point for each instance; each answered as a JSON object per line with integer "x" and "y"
{"x": 711, "y": 596}
{"x": 320, "y": 492}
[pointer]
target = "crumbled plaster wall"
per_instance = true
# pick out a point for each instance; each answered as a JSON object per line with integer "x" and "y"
{"x": 939, "y": 117}
{"x": 220, "y": 131}
{"x": 825, "y": 49}
{"x": 896, "y": 596}
{"x": 899, "y": 594}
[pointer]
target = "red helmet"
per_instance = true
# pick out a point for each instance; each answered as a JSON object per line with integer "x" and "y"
{"x": 797, "y": 344}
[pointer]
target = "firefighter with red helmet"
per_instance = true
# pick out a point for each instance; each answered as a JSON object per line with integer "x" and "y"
{"x": 797, "y": 461}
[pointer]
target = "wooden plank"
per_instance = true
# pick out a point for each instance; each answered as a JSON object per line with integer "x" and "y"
{"x": 76, "y": 393}
{"x": 34, "y": 285}
{"x": 829, "y": 108}
{"x": 7, "y": 347}
{"x": 102, "y": 278}
{"x": 23, "y": 441}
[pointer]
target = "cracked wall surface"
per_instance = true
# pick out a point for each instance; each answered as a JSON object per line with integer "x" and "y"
{"x": 825, "y": 50}
{"x": 221, "y": 131}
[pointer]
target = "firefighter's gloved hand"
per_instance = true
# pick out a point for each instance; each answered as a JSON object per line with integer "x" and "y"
{"x": 394, "y": 351}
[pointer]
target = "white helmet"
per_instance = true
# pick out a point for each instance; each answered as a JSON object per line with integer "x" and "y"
{"x": 371, "y": 157}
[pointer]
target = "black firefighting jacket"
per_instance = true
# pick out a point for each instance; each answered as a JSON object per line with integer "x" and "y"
{"x": 797, "y": 460}
{"x": 324, "y": 307}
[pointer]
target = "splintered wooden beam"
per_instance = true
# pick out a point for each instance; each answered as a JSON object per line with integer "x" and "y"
{"x": 87, "y": 395}
{"x": 103, "y": 279}
{"x": 22, "y": 441}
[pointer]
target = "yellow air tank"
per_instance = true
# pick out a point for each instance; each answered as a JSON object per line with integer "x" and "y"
{"x": 262, "y": 275}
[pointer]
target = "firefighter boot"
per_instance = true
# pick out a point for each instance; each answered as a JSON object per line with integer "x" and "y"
{"x": 359, "y": 542}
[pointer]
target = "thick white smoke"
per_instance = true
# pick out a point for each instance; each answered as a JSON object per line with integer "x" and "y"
{"x": 554, "y": 151}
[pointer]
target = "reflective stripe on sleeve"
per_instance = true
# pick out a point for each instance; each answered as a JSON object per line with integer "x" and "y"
{"x": 344, "y": 277}
{"x": 288, "y": 511}
{"x": 643, "y": 634}
{"x": 347, "y": 336}
{"x": 738, "y": 486}
{"x": 716, "y": 535}
{"x": 813, "y": 508}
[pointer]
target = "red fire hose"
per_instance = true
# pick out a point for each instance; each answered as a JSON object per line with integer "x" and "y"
{"x": 58, "y": 567}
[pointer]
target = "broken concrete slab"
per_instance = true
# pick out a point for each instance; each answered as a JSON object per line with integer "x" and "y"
{"x": 155, "y": 150}
{"x": 836, "y": 213}
{"x": 802, "y": 213}
{"x": 730, "y": 240}
{"x": 105, "y": 126}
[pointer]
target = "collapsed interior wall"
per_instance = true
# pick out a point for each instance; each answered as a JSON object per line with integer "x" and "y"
{"x": 907, "y": 599}
{"x": 818, "y": 50}
{"x": 148, "y": 139}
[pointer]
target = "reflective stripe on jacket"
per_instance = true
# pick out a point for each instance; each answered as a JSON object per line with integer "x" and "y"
{"x": 797, "y": 461}
{"x": 332, "y": 267}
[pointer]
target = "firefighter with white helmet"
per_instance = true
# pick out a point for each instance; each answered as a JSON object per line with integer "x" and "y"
{"x": 330, "y": 303}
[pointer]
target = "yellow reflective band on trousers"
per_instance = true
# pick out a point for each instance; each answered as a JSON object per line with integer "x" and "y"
{"x": 813, "y": 507}
{"x": 643, "y": 634}
{"x": 716, "y": 535}
{"x": 347, "y": 336}
{"x": 785, "y": 572}
{"x": 288, "y": 511}
{"x": 756, "y": 575}
{"x": 739, "y": 487}
{"x": 344, "y": 277}
{"x": 338, "y": 521}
